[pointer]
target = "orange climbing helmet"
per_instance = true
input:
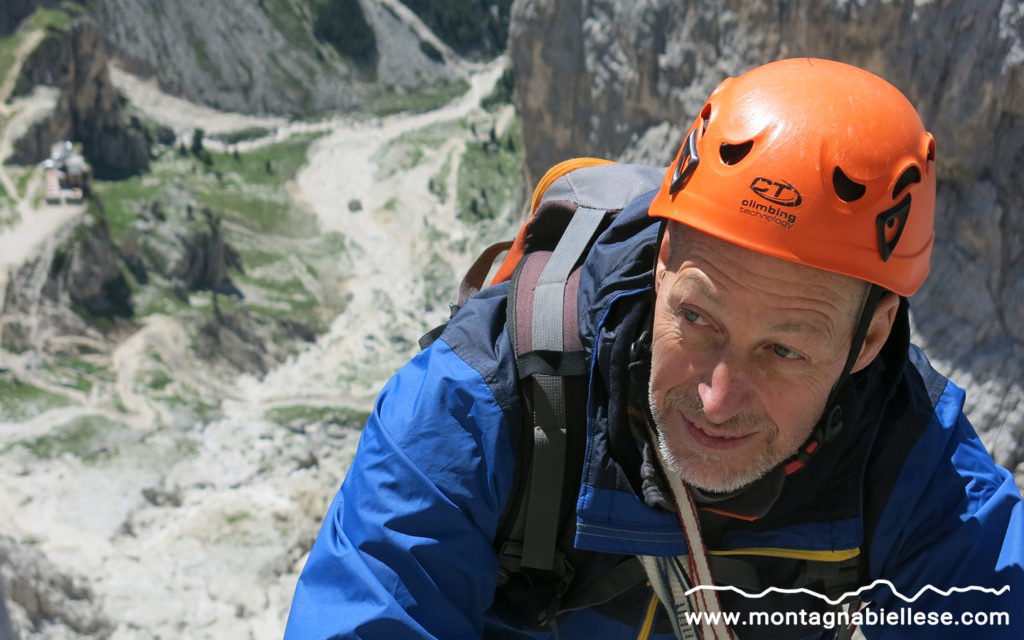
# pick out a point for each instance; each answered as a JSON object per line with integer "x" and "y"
{"x": 812, "y": 161}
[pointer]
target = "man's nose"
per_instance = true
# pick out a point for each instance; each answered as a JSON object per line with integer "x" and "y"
{"x": 726, "y": 392}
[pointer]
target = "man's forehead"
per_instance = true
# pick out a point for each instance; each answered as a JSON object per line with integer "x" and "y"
{"x": 801, "y": 299}
{"x": 689, "y": 244}
{"x": 823, "y": 319}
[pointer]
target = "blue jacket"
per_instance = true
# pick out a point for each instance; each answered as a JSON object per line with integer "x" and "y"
{"x": 906, "y": 492}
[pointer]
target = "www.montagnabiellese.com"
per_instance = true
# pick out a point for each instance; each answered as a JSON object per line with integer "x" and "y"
{"x": 902, "y": 617}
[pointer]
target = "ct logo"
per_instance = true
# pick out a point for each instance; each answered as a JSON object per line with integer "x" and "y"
{"x": 778, "y": 191}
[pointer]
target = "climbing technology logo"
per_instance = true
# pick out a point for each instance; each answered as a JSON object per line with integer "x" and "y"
{"x": 777, "y": 191}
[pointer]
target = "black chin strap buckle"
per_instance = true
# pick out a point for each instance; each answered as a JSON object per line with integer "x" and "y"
{"x": 826, "y": 431}
{"x": 833, "y": 424}
{"x": 640, "y": 349}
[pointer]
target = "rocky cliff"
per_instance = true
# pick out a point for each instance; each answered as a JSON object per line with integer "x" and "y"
{"x": 262, "y": 57}
{"x": 73, "y": 281}
{"x": 624, "y": 80}
{"x": 45, "y": 602}
{"x": 89, "y": 109}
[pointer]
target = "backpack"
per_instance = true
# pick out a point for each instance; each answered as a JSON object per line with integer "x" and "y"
{"x": 573, "y": 202}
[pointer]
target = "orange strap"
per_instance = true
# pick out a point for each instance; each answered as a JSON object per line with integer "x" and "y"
{"x": 515, "y": 254}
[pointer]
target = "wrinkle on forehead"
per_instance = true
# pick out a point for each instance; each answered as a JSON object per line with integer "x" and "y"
{"x": 716, "y": 267}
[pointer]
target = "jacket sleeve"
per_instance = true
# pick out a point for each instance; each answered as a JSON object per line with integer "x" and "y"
{"x": 405, "y": 550}
{"x": 954, "y": 523}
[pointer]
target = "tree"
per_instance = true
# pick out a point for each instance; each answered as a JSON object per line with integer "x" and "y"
{"x": 341, "y": 24}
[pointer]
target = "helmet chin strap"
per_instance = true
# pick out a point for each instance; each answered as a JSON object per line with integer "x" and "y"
{"x": 831, "y": 421}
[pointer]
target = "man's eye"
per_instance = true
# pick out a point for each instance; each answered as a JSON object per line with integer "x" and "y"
{"x": 784, "y": 352}
{"x": 692, "y": 317}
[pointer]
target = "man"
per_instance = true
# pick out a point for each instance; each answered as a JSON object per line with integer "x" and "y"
{"x": 779, "y": 429}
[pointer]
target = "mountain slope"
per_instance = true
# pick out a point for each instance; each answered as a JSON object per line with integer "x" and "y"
{"x": 262, "y": 57}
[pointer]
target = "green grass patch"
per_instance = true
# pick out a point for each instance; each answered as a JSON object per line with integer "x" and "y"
{"x": 161, "y": 302}
{"x": 489, "y": 175}
{"x": 254, "y": 212}
{"x": 23, "y": 180}
{"x": 408, "y": 150}
{"x": 388, "y": 100}
{"x": 48, "y": 19}
{"x": 84, "y": 437}
{"x": 79, "y": 374}
{"x": 8, "y": 49}
{"x": 157, "y": 380}
{"x": 191, "y": 401}
{"x": 226, "y": 186}
{"x": 301, "y": 415}
{"x": 273, "y": 164}
{"x": 334, "y": 242}
{"x": 256, "y": 258}
{"x": 20, "y": 401}
{"x": 286, "y": 300}
{"x": 292, "y": 24}
{"x": 52, "y": 19}
{"x": 438, "y": 184}
{"x": 123, "y": 200}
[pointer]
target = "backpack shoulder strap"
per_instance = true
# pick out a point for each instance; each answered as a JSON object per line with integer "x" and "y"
{"x": 572, "y": 204}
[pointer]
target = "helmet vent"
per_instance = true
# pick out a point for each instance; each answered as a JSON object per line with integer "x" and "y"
{"x": 846, "y": 188}
{"x": 907, "y": 178}
{"x": 705, "y": 116}
{"x": 733, "y": 153}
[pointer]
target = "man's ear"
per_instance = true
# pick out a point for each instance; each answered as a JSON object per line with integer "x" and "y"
{"x": 878, "y": 330}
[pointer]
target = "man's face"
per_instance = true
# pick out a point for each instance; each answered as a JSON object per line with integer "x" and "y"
{"x": 745, "y": 351}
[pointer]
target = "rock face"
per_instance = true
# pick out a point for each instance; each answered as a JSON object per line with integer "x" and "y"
{"x": 625, "y": 80}
{"x": 261, "y": 57}
{"x": 89, "y": 108}
{"x": 206, "y": 260}
{"x": 76, "y": 272}
{"x": 43, "y": 601}
{"x": 90, "y": 272}
{"x": 6, "y": 631}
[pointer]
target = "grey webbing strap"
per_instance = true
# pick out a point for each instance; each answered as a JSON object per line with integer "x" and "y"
{"x": 547, "y": 298}
{"x": 547, "y": 473}
{"x": 540, "y": 534}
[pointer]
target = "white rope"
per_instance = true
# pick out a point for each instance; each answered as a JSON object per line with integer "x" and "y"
{"x": 672, "y": 577}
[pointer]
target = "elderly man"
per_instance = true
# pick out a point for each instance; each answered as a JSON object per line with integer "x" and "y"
{"x": 763, "y": 453}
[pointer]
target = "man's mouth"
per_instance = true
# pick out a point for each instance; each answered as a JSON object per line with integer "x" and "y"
{"x": 712, "y": 440}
